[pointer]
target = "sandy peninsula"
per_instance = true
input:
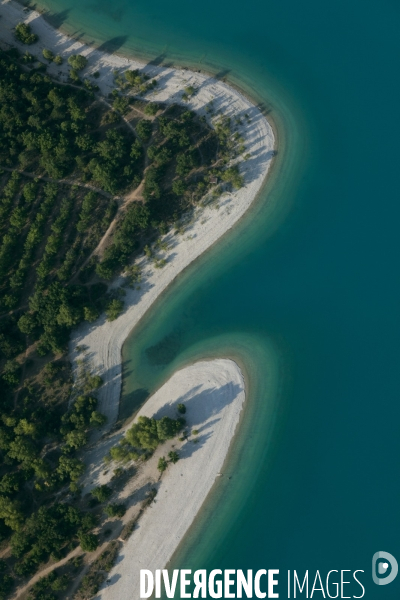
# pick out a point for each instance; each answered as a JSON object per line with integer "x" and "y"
{"x": 213, "y": 392}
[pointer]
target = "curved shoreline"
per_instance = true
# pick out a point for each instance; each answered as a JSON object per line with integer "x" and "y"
{"x": 104, "y": 340}
{"x": 213, "y": 393}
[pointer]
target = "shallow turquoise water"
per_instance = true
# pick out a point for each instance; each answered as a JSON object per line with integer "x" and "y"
{"x": 310, "y": 301}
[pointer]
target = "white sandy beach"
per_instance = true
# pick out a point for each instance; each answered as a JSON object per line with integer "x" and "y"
{"x": 213, "y": 392}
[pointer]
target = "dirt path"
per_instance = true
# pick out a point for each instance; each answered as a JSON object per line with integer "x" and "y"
{"x": 133, "y": 494}
{"x": 123, "y": 203}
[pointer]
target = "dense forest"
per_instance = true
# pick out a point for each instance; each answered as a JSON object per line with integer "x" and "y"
{"x": 72, "y": 166}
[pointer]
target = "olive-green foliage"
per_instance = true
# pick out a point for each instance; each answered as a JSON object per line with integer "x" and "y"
{"x": 122, "y": 453}
{"x": 6, "y": 581}
{"x": 92, "y": 382}
{"x": 121, "y": 105}
{"x": 162, "y": 464}
{"x": 151, "y": 108}
{"x": 97, "y": 419}
{"x": 233, "y": 176}
{"x": 43, "y": 588}
{"x": 11, "y": 513}
{"x": 78, "y": 417}
{"x": 181, "y": 408}
{"x": 117, "y": 255}
{"x": 135, "y": 78}
{"x": 114, "y": 309}
{"x": 147, "y": 433}
{"x": 144, "y": 129}
{"x": 23, "y": 33}
{"x": 115, "y": 510}
{"x": 46, "y": 532}
{"x": 160, "y": 155}
{"x": 102, "y": 493}
{"x": 48, "y": 54}
{"x": 88, "y": 542}
{"x": 96, "y": 574}
{"x": 77, "y": 61}
{"x": 173, "y": 456}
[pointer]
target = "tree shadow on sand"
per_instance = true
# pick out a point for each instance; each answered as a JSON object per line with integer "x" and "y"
{"x": 113, "y": 44}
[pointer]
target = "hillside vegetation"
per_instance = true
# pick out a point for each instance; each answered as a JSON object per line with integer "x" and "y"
{"x": 74, "y": 166}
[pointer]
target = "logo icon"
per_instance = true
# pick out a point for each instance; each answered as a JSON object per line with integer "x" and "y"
{"x": 384, "y": 568}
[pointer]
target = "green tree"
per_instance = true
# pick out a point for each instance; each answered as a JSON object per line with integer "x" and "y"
{"x": 11, "y": 513}
{"x": 77, "y": 61}
{"x": 88, "y": 541}
{"x": 181, "y": 408}
{"x": 102, "y": 493}
{"x": 23, "y": 450}
{"x": 6, "y": 581}
{"x": 173, "y": 456}
{"x": 114, "y": 309}
{"x": 48, "y": 54}
{"x": 25, "y": 427}
{"x": 27, "y": 323}
{"x": 162, "y": 464}
{"x": 93, "y": 382}
{"x": 97, "y": 419}
{"x": 70, "y": 467}
{"x": 121, "y": 105}
{"x": 10, "y": 483}
{"x": 179, "y": 187}
{"x": 144, "y": 129}
{"x": 23, "y": 33}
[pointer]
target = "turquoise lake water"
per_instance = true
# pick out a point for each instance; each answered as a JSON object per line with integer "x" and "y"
{"x": 305, "y": 293}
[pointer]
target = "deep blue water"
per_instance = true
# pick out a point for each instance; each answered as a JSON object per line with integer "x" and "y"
{"x": 320, "y": 488}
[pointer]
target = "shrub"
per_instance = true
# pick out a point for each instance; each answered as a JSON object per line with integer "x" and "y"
{"x": 23, "y": 33}
{"x": 115, "y": 510}
{"x": 101, "y": 493}
{"x": 97, "y": 419}
{"x": 144, "y": 129}
{"x": 77, "y": 61}
{"x": 48, "y": 54}
{"x": 114, "y": 309}
{"x": 173, "y": 456}
{"x": 88, "y": 541}
{"x": 121, "y": 105}
{"x": 181, "y": 408}
{"x": 162, "y": 464}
